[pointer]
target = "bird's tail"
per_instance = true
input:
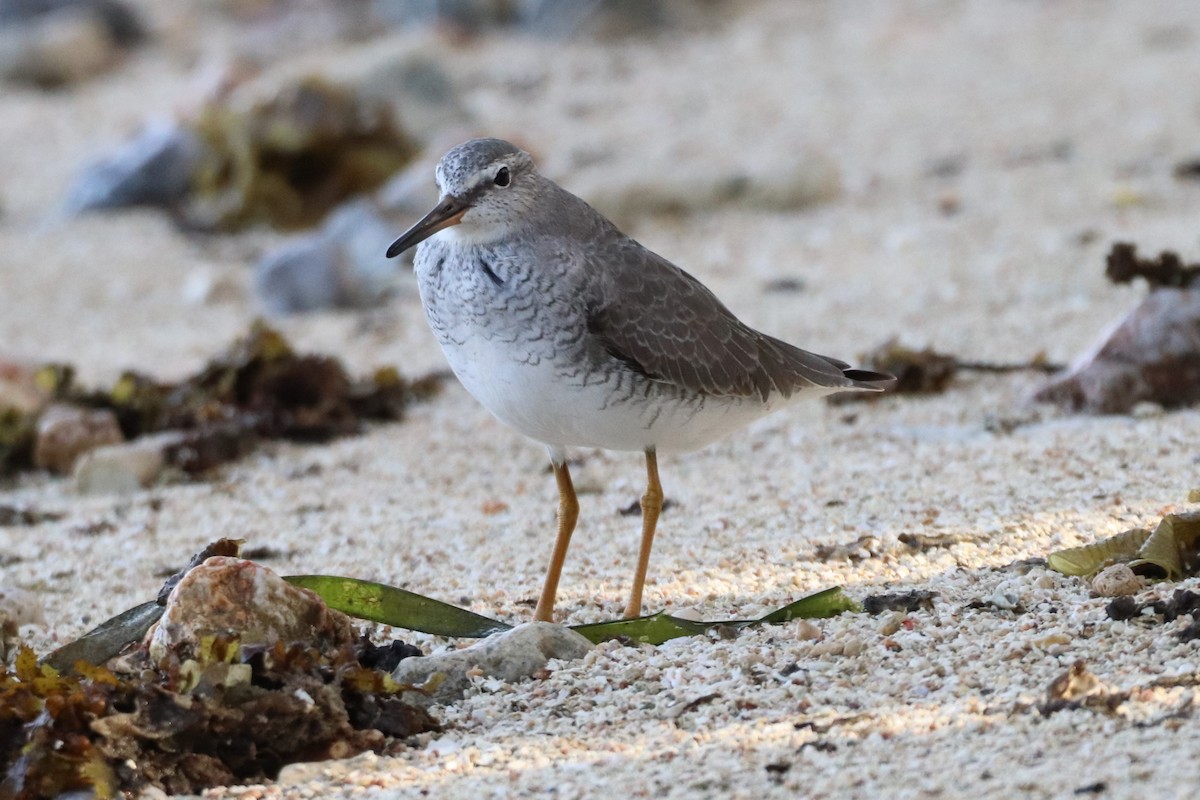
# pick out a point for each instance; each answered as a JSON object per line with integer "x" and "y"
{"x": 868, "y": 381}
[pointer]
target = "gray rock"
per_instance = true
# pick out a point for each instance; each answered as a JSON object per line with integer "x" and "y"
{"x": 471, "y": 16}
{"x": 341, "y": 266}
{"x": 510, "y": 656}
{"x": 301, "y": 275}
{"x": 410, "y": 192}
{"x": 548, "y": 18}
{"x": 55, "y": 42}
{"x": 591, "y": 18}
{"x": 122, "y": 23}
{"x": 123, "y": 468}
{"x": 152, "y": 169}
{"x": 425, "y": 100}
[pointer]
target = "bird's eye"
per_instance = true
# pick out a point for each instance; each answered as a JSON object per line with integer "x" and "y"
{"x": 502, "y": 177}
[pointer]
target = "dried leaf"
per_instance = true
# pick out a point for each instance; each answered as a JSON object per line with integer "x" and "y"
{"x": 1091, "y": 558}
{"x": 1171, "y": 548}
{"x": 1169, "y": 551}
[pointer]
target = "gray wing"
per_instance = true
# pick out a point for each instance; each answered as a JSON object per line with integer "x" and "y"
{"x": 664, "y": 324}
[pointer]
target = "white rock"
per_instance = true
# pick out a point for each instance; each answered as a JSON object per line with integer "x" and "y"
{"x": 510, "y": 656}
{"x": 806, "y": 631}
{"x": 123, "y": 467}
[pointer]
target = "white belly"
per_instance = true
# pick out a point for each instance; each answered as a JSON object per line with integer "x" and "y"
{"x": 533, "y": 398}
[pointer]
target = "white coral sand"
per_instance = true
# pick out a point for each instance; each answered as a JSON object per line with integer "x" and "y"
{"x": 988, "y": 153}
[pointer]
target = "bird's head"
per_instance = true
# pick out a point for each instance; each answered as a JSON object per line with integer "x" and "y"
{"x": 486, "y": 186}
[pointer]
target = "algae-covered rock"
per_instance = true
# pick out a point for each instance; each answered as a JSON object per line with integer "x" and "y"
{"x": 287, "y": 160}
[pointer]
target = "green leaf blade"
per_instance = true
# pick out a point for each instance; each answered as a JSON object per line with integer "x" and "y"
{"x": 658, "y": 628}
{"x": 400, "y": 608}
{"x": 653, "y": 629}
{"x": 820, "y": 605}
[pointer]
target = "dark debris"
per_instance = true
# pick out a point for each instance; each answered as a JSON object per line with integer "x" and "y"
{"x": 924, "y": 541}
{"x": 1099, "y": 787}
{"x": 634, "y": 509}
{"x": 860, "y": 549}
{"x": 1183, "y": 602}
{"x": 265, "y": 552}
{"x": 914, "y": 600}
{"x": 1168, "y": 270}
{"x": 188, "y": 726}
{"x": 1123, "y": 608}
{"x": 385, "y": 657}
{"x": 1188, "y": 169}
{"x": 785, "y": 285}
{"x": 928, "y": 371}
{"x": 15, "y": 516}
{"x": 917, "y": 371}
{"x": 259, "y": 388}
{"x": 991, "y": 604}
{"x": 1079, "y": 688}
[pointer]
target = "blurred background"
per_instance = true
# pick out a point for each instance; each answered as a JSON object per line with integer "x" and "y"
{"x": 950, "y": 172}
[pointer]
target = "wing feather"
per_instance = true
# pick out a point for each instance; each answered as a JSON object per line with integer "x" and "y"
{"x": 664, "y": 324}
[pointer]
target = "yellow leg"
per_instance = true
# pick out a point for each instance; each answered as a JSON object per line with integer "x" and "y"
{"x": 652, "y": 502}
{"x": 568, "y": 513}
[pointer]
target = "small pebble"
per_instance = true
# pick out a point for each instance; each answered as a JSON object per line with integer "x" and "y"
{"x": 892, "y": 623}
{"x": 1146, "y": 410}
{"x": 822, "y": 649}
{"x": 121, "y": 468}
{"x": 64, "y": 433}
{"x": 1117, "y": 581}
{"x": 1046, "y": 642}
{"x": 854, "y": 647}
{"x": 806, "y": 631}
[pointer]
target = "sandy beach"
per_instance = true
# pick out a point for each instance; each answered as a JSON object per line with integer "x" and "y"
{"x": 986, "y": 156}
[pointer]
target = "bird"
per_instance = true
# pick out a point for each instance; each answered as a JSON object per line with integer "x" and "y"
{"x": 577, "y": 336}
